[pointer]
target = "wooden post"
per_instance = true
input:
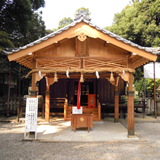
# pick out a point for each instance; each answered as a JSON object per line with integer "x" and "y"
{"x": 43, "y": 112}
{"x": 19, "y": 90}
{"x": 99, "y": 111}
{"x": 9, "y": 89}
{"x": 34, "y": 92}
{"x": 65, "y": 109}
{"x": 116, "y": 105}
{"x": 155, "y": 112}
{"x": 47, "y": 104}
{"x": 130, "y": 103}
{"x": 130, "y": 107}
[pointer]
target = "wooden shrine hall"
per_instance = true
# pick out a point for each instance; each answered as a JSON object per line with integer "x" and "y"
{"x": 105, "y": 61}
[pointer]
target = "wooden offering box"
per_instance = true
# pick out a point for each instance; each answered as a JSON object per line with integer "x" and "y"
{"x": 81, "y": 121}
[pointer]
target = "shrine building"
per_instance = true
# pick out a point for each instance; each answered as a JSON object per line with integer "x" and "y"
{"x": 104, "y": 61}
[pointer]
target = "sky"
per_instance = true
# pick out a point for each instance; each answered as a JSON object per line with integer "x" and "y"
{"x": 102, "y": 11}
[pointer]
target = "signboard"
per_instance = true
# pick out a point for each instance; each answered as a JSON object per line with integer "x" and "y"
{"x": 149, "y": 70}
{"x": 77, "y": 111}
{"x": 31, "y": 116}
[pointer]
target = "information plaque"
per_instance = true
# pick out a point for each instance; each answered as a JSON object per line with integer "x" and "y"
{"x": 77, "y": 111}
{"x": 31, "y": 116}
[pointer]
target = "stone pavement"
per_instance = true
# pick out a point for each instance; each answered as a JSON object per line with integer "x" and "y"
{"x": 102, "y": 131}
{"x": 58, "y": 130}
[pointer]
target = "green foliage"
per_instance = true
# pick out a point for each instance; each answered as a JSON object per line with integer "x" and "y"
{"x": 35, "y": 30}
{"x": 48, "y": 31}
{"x": 149, "y": 85}
{"x": 18, "y": 20}
{"x": 54, "y": 29}
{"x": 14, "y": 16}
{"x": 36, "y": 4}
{"x": 19, "y": 25}
{"x": 139, "y": 23}
{"x": 65, "y": 21}
{"x": 5, "y": 41}
{"x": 62, "y": 23}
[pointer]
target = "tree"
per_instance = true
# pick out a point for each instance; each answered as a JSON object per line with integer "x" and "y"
{"x": 5, "y": 41}
{"x": 36, "y": 4}
{"x": 140, "y": 23}
{"x": 35, "y": 30}
{"x": 19, "y": 25}
{"x": 65, "y": 21}
{"x": 48, "y": 31}
{"x": 16, "y": 17}
{"x": 15, "y": 13}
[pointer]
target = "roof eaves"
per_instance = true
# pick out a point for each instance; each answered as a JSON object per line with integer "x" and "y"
{"x": 147, "y": 49}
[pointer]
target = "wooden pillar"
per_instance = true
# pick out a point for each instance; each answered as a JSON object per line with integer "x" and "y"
{"x": 9, "y": 89}
{"x": 19, "y": 90}
{"x": 116, "y": 105}
{"x": 47, "y": 104}
{"x": 130, "y": 107}
{"x": 65, "y": 109}
{"x": 34, "y": 92}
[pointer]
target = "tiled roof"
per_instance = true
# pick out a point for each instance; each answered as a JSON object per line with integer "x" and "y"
{"x": 86, "y": 20}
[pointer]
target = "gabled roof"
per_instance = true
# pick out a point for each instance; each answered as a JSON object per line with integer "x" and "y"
{"x": 82, "y": 18}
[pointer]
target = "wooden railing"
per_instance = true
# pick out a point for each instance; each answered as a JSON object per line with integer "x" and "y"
{"x": 57, "y": 106}
{"x": 11, "y": 108}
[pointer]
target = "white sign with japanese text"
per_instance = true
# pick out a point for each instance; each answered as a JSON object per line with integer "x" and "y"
{"x": 77, "y": 111}
{"x": 31, "y": 115}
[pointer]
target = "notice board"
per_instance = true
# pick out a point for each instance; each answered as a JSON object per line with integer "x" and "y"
{"x": 31, "y": 115}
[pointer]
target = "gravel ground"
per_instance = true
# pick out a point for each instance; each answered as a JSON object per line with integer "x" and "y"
{"x": 147, "y": 148}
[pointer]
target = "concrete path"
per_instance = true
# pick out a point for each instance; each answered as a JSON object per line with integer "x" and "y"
{"x": 102, "y": 131}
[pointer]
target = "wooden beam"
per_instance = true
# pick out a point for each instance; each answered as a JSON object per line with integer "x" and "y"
{"x": 96, "y": 56}
{"x": 139, "y": 63}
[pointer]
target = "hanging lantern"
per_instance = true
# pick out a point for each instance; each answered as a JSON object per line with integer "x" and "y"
{"x": 55, "y": 77}
{"x": 111, "y": 77}
{"x": 81, "y": 79}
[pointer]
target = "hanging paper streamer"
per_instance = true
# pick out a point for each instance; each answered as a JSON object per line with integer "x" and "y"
{"x": 124, "y": 73}
{"x": 39, "y": 72}
{"x": 97, "y": 74}
{"x": 79, "y": 94}
{"x": 67, "y": 74}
